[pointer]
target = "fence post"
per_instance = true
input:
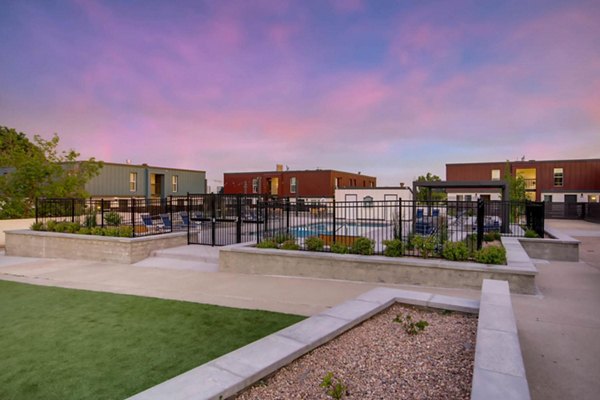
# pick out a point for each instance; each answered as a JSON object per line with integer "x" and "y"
{"x": 480, "y": 216}
{"x": 287, "y": 215}
{"x": 188, "y": 210}
{"x": 399, "y": 230}
{"x": 133, "y": 215}
{"x": 36, "y": 210}
{"x": 170, "y": 206}
{"x": 238, "y": 225}
{"x": 214, "y": 218}
{"x": 334, "y": 219}
{"x": 102, "y": 213}
{"x": 72, "y": 209}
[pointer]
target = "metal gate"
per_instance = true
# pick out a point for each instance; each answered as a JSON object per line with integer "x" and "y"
{"x": 220, "y": 220}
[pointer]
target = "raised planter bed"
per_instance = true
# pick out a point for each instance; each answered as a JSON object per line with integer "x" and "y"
{"x": 519, "y": 272}
{"x": 28, "y": 243}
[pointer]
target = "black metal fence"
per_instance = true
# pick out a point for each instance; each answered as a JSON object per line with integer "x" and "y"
{"x": 587, "y": 211}
{"x": 143, "y": 216}
{"x": 338, "y": 224}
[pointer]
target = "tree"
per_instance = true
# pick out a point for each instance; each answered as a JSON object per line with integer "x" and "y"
{"x": 425, "y": 193}
{"x": 516, "y": 185}
{"x": 37, "y": 169}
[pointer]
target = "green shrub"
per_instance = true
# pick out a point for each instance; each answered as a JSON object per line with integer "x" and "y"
{"x": 424, "y": 244}
{"x": 50, "y": 225}
{"x": 314, "y": 243}
{"x": 84, "y": 230}
{"x": 113, "y": 219}
{"x": 125, "y": 231}
{"x": 471, "y": 242}
{"x": 97, "y": 231}
{"x": 491, "y": 255}
{"x": 283, "y": 237}
{"x": 37, "y": 226}
{"x": 393, "y": 248}
{"x": 530, "y": 233}
{"x": 491, "y": 236}
{"x": 363, "y": 246}
{"x": 456, "y": 251}
{"x": 90, "y": 220}
{"x": 72, "y": 227}
{"x": 267, "y": 244}
{"x": 339, "y": 248}
{"x": 60, "y": 227}
{"x": 112, "y": 231}
{"x": 410, "y": 326}
{"x": 290, "y": 245}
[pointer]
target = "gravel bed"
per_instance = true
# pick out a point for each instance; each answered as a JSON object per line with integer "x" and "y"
{"x": 379, "y": 360}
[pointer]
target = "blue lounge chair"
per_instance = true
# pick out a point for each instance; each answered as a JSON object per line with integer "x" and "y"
{"x": 149, "y": 223}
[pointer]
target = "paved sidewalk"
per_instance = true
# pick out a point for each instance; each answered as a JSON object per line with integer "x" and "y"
{"x": 558, "y": 329}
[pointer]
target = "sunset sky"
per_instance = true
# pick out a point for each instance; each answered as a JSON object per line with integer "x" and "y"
{"x": 393, "y": 89}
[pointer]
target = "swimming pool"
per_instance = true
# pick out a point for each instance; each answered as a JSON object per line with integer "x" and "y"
{"x": 343, "y": 228}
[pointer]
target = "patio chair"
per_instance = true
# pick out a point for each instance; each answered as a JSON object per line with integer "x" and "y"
{"x": 149, "y": 223}
{"x": 166, "y": 220}
{"x": 186, "y": 220}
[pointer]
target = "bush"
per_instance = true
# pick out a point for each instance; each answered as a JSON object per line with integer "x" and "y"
{"x": 290, "y": 245}
{"x": 456, "y": 251}
{"x": 471, "y": 242}
{"x": 393, "y": 248}
{"x": 125, "y": 231}
{"x": 530, "y": 233}
{"x": 491, "y": 236}
{"x": 90, "y": 220}
{"x": 85, "y": 231}
{"x": 37, "y": 226}
{"x": 97, "y": 231}
{"x": 112, "y": 218}
{"x": 314, "y": 243}
{"x": 283, "y": 237}
{"x": 111, "y": 231}
{"x": 491, "y": 255}
{"x": 424, "y": 244}
{"x": 51, "y": 225}
{"x": 363, "y": 246}
{"x": 339, "y": 248}
{"x": 267, "y": 244}
{"x": 60, "y": 227}
{"x": 72, "y": 227}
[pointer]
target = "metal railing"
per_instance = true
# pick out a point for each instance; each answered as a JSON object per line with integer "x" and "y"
{"x": 336, "y": 224}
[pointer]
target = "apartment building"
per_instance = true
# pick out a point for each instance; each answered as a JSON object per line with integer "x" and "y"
{"x": 560, "y": 181}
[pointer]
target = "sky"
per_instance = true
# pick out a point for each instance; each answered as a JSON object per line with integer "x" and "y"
{"x": 393, "y": 89}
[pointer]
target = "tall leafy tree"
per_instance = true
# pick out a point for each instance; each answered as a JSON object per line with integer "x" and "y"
{"x": 427, "y": 193}
{"x": 516, "y": 185}
{"x": 38, "y": 169}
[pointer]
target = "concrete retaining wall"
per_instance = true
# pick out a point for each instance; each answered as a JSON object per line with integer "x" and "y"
{"x": 12, "y": 224}
{"x": 561, "y": 247}
{"x": 379, "y": 269}
{"x": 27, "y": 243}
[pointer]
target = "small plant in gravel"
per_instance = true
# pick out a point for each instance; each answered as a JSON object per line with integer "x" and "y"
{"x": 411, "y": 327}
{"x": 290, "y": 245}
{"x": 333, "y": 386}
{"x": 455, "y": 251}
{"x": 314, "y": 243}
{"x": 491, "y": 255}
{"x": 363, "y": 246}
{"x": 339, "y": 248}
{"x": 267, "y": 244}
{"x": 393, "y": 248}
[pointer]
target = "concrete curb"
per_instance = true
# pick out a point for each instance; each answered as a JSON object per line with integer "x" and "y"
{"x": 233, "y": 372}
{"x": 499, "y": 371}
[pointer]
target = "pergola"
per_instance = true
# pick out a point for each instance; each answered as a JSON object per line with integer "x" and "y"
{"x": 502, "y": 185}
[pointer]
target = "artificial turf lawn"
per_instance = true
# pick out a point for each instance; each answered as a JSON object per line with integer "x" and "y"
{"x": 71, "y": 344}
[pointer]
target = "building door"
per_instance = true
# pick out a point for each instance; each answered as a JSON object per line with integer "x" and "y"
{"x": 157, "y": 185}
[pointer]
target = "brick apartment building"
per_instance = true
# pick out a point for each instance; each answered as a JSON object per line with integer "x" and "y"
{"x": 307, "y": 183}
{"x": 560, "y": 181}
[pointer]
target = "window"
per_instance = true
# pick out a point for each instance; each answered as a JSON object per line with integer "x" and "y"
{"x": 255, "y": 185}
{"x": 133, "y": 181}
{"x": 558, "y": 176}
{"x": 495, "y": 174}
{"x": 368, "y": 201}
{"x": 592, "y": 198}
{"x": 547, "y": 198}
{"x": 174, "y": 183}
{"x": 293, "y": 185}
{"x": 338, "y": 182}
{"x": 468, "y": 197}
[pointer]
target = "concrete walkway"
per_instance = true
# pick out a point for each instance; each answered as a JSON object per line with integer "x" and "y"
{"x": 558, "y": 329}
